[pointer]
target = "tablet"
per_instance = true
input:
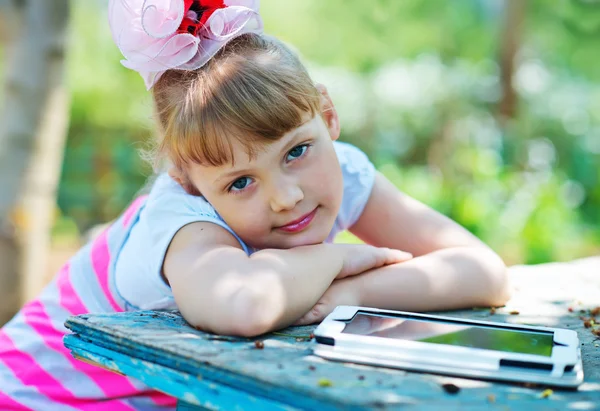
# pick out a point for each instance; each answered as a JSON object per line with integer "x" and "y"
{"x": 452, "y": 346}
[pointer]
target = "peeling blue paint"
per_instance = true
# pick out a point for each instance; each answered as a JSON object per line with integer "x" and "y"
{"x": 224, "y": 373}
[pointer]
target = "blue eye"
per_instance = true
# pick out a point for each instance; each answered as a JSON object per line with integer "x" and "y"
{"x": 240, "y": 184}
{"x": 297, "y": 152}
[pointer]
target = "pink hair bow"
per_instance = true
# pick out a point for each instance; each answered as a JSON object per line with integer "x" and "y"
{"x": 158, "y": 35}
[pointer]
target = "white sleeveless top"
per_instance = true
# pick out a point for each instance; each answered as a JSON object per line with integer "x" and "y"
{"x": 168, "y": 208}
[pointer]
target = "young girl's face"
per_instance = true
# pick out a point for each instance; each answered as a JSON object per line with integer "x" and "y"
{"x": 288, "y": 195}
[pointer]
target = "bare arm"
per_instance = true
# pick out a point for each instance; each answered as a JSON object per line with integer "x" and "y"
{"x": 452, "y": 278}
{"x": 219, "y": 288}
{"x": 454, "y": 268}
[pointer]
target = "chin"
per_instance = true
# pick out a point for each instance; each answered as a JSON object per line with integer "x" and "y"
{"x": 284, "y": 242}
{"x": 308, "y": 238}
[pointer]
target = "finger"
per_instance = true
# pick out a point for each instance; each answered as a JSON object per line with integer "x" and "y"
{"x": 303, "y": 321}
{"x": 398, "y": 256}
{"x": 387, "y": 256}
{"x": 370, "y": 258}
{"x": 306, "y": 319}
{"x": 366, "y": 257}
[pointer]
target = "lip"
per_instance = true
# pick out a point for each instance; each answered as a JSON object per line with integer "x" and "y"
{"x": 299, "y": 224}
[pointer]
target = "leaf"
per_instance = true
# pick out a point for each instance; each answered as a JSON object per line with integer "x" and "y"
{"x": 324, "y": 382}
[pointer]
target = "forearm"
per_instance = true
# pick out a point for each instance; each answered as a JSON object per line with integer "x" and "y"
{"x": 289, "y": 282}
{"x": 222, "y": 290}
{"x": 447, "y": 279}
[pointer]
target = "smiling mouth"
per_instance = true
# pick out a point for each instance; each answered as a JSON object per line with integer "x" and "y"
{"x": 299, "y": 224}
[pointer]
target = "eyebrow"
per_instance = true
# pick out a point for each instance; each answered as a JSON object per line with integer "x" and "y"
{"x": 292, "y": 141}
{"x": 231, "y": 174}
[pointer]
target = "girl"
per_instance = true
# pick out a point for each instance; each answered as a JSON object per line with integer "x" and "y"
{"x": 237, "y": 235}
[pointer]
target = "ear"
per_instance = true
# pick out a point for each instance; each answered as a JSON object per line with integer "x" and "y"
{"x": 329, "y": 113}
{"x": 183, "y": 180}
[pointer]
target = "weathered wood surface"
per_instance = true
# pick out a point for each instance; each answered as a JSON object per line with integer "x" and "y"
{"x": 226, "y": 373}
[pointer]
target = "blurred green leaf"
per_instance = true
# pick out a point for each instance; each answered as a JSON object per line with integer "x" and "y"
{"x": 416, "y": 84}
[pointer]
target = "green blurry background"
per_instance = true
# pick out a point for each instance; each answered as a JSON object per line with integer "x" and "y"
{"x": 417, "y": 84}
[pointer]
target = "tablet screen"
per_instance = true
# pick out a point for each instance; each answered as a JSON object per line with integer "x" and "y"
{"x": 449, "y": 333}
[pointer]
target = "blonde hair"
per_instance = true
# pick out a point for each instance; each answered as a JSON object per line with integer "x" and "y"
{"x": 253, "y": 91}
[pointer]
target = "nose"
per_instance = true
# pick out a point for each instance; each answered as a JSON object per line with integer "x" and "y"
{"x": 285, "y": 195}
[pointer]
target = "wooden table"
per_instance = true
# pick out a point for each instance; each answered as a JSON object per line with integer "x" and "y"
{"x": 277, "y": 371}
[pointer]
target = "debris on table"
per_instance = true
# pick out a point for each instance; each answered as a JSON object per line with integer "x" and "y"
{"x": 590, "y": 322}
{"x": 451, "y": 388}
{"x": 297, "y": 337}
{"x": 324, "y": 382}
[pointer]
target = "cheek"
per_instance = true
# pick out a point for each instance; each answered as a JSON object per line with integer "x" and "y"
{"x": 247, "y": 218}
{"x": 326, "y": 179}
{"x": 335, "y": 188}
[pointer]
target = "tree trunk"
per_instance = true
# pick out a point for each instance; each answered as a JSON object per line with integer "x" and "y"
{"x": 6, "y": 20}
{"x": 514, "y": 12}
{"x": 9, "y": 280}
{"x": 32, "y": 84}
{"x": 41, "y": 183}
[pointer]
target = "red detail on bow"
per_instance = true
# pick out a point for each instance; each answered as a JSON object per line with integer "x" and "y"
{"x": 203, "y": 9}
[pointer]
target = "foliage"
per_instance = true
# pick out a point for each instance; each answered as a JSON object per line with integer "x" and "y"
{"x": 417, "y": 85}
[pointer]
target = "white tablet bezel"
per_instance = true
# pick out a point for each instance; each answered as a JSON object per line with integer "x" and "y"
{"x": 562, "y": 368}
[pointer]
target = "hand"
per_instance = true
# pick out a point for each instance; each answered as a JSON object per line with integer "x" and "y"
{"x": 359, "y": 258}
{"x": 340, "y": 292}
